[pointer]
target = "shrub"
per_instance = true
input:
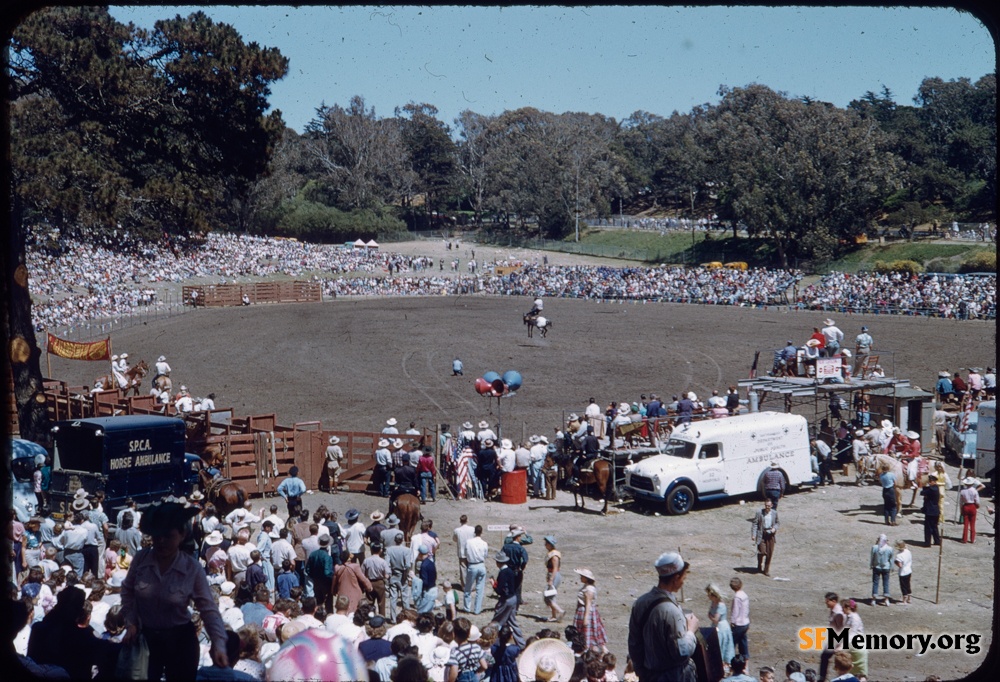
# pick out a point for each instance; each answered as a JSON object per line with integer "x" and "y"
{"x": 908, "y": 266}
{"x": 981, "y": 261}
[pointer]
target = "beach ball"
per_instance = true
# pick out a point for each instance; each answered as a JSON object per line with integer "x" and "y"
{"x": 512, "y": 379}
{"x": 317, "y": 654}
{"x": 490, "y": 377}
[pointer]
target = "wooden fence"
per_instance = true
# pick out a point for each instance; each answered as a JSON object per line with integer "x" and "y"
{"x": 257, "y": 451}
{"x": 217, "y": 295}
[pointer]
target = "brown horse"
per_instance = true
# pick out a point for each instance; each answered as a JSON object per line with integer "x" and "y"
{"x": 221, "y": 492}
{"x": 600, "y": 475}
{"x": 163, "y": 383}
{"x": 407, "y": 509}
{"x": 133, "y": 378}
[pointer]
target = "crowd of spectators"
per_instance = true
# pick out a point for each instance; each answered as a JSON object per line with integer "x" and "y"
{"x": 934, "y": 295}
{"x": 76, "y": 282}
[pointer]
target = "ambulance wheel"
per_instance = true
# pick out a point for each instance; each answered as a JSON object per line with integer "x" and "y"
{"x": 680, "y": 500}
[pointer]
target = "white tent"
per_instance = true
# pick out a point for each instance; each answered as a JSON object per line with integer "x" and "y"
{"x": 372, "y": 244}
{"x": 359, "y": 244}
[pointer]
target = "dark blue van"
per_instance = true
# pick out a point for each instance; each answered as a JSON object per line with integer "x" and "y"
{"x": 141, "y": 457}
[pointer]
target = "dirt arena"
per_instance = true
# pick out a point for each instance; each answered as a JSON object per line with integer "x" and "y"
{"x": 354, "y": 363}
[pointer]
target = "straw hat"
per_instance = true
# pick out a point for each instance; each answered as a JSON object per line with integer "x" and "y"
{"x": 586, "y": 573}
{"x": 377, "y": 515}
{"x": 383, "y": 443}
{"x": 812, "y": 343}
{"x": 546, "y": 659}
{"x": 80, "y": 504}
{"x": 484, "y": 424}
{"x": 828, "y": 322}
{"x": 334, "y": 440}
{"x": 391, "y": 421}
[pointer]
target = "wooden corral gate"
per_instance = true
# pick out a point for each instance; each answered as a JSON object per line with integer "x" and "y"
{"x": 256, "y": 451}
{"x": 258, "y": 292}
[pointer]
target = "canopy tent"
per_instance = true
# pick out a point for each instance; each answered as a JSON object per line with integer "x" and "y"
{"x": 372, "y": 244}
{"x": 359, "y": 244}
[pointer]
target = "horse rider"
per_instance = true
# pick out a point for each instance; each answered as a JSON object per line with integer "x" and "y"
{"x": 590, "y": 448}
{"x": 162, "y": 368}
{"x": 536, "y": 309}
{"x": 119, "y": 367}
{"x": 406, "y": 482}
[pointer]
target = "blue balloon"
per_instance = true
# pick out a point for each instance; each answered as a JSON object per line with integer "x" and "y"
{"x": 512, "y": 379}
{"x": 490, "y": 377}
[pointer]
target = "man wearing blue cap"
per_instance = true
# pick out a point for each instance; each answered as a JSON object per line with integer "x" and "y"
{"x": 505, "y": 612}
{"x": 425, "y": 591}
{"x": 661, "y": 638}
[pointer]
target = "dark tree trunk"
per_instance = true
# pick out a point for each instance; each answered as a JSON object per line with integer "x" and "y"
{"x": 23, "y": 353}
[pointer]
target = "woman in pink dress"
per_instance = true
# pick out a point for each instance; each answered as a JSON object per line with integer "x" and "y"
{"x": 587, "y": 619}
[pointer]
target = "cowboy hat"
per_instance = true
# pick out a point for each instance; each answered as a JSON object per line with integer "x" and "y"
{"x": 846, "y": 353}
{"x": 886, "y": 424}
{"x": 534, "y": 439}
{"x": 466, "y": 425}
{"x": 944, "y": 374}
{"x": 586, "y": 573}
{"x": 213, "y": 538}
{"x": 197, "y": 496}
{"x": 812, "y": 343}
{"x": 543, "y": 439}
{"x": 392, "y": 521}
{"x": 506, "y": 444}
{"x": 969, "y": 480}
{"x": 501, "y": 558}
{"x": 376, "y": 515}
{"x": 828, "y": 322}
{"x": 383, "y": 443}
{"x": 162, "y": 358}
{"x": 334, "y": 440}
{"x": 160, "y": 519}
{"x": 398, "y": 443}
{"x": 352, "y": 514}
{"x": 573, "y": 417}
{"x": 546, "y": 659}
{"x": 123, "y": 356}
{"x": 391, "y": 421}
{"x": 80, "y": 504}
{"x": 488, "y": 442}
{"x": 114, "y": 357}
{"x": 484, "y": 424}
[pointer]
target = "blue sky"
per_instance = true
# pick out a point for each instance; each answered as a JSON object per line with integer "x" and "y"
{"x": 609, "y": 60}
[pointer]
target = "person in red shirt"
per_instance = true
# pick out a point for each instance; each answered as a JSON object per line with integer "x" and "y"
{"x": 427, "y": 470}
{"x": 818, "y": 335}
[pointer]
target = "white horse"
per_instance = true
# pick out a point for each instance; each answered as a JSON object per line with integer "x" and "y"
{"x": 537, "y": 322}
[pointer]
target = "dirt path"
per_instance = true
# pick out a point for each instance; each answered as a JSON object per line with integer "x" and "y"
{"x": 353, "y": 364}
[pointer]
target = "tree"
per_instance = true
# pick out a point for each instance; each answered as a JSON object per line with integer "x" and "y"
{"x": 807, "y": 175}
{"x": 116, "y": 126}
{"x": 361, "y": 156}
{"x": 431, "y": 152}
{"x": 473, "y": 155}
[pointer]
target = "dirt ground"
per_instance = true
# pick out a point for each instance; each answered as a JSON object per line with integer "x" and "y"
{"x": 354, "y": 363}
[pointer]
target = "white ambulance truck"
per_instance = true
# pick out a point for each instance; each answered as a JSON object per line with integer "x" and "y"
{"x": 720, "y": 458}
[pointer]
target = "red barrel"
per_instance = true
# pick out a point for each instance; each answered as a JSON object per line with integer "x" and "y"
{"x": 514, "y": 487}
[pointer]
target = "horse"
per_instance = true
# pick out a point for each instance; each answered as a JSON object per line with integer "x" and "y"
{"x": 407, "y": 509}
{"x": 537, "y": 322}
{"x": 163, "y": 383}
{"x": 601, "y": 475}
{"x": 133, "y": 379}
{"x": 221, "y": 492}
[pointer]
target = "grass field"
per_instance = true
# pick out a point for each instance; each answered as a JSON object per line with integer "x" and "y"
{"x": 699, "y": 247}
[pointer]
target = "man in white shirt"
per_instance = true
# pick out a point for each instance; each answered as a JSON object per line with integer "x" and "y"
{"x": 390, "y": 426}
{"x": 275, "y": 520}
{"x": 476, "y": 551}
{"x": 461, "y": 536}
{"x": 595, "y": 417}
{"x": 833, "y": 337}
{"x": 241, "y": 517}
{"x": 184, "y": 403}
{"x": 505, "y": 457}
{"x": 239, "y": 556}
{"x": 539, "y": 445}
{"x": 424, "y": 537}
{"x": 354, "y": 535}
{"x": 282, "y": 549}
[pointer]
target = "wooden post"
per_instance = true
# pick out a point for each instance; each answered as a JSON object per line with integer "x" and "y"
{"x": 937, "y": 589}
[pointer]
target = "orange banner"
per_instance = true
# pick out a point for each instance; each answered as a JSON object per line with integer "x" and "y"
{"x": 95, "y": 350}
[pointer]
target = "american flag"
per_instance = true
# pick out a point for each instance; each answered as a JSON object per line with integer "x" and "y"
{"x": 966, "y": 409}
{"x": 462, "y": 479}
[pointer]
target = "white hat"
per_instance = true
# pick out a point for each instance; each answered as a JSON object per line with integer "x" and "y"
{"x": 586, "y": 573}
{"x": 183, "y": 388}
{"x": 846, "y": 353}
{"x": 812, "y": 343}
{"x": 534, "y": 439}
{"x": 213, "y": 538}
{"x": 228, "y": 587}
{"x": 912, "y": 435}
{"x": 573, "y": 416}
{"x": 334, "y": 440}
{"x": 543, "y": 439}
{"x": 466, "y": 425}
{"x": 484, "y": 424}
{"x": 80, "y": 504}
{"x": 383, "y": 443}
{"x": 114, "y": 357}
{"x": 391, "y": 421}
{"x": 398, "y": 443}
{"x": 196, "y": 496}
{"x": 828, "y": 322}
{"x": 506, "y": 444}
{"x": 80, "y": 492}
{"x": 886, "y": 424}
{"x": 691, "y": 396}
{"x": 969, "y": 480}
{"x": 546, "y": 659}
{"x": 162, "y": 358}
{"x": 669, "y": 563}
{"x": 859, "y": 432}
{"x": 474, "y": 634}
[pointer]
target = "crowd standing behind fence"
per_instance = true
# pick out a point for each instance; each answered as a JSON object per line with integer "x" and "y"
{"x": 77, "y": 284}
